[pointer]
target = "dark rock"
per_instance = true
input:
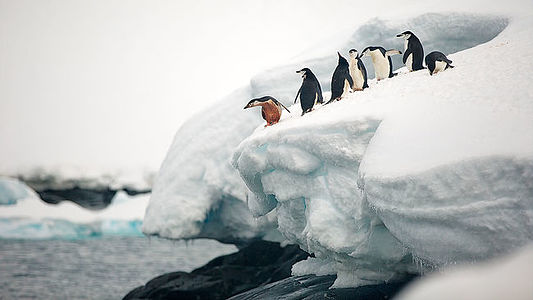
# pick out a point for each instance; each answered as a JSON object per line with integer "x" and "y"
{"x": 87, "y": 198}
{"x": 312, "y": 287}
{"x": 257, "y": 264}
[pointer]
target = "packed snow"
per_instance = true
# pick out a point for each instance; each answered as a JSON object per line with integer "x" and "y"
{"x": 196, "y": 176}
{"x": 501, "y": 278}
{"x": 416, "y": 172}
{"x": 28, "y": 217}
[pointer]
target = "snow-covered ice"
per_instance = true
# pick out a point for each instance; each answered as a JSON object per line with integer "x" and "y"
{"x": 11, "y": 190}
{"x": 197, "y": 193}
{"x": 429, "y": 169}
{"x": 415, "y": 172}
{"x": 196, "y": 178}
{"x": 501, "y": 278}
{"x": 31, "y": 218}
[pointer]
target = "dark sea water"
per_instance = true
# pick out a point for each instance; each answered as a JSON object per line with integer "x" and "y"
{"x": 106, "y": 268}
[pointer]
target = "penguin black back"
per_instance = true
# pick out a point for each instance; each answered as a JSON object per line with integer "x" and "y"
{"x": 414, "y": 52}
{"x": 341, "y": 78}
{"x": 310, "y": 91}
{"x": 436, "y": 61}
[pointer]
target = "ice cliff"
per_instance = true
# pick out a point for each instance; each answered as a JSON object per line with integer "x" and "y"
{"x": 415, "y": 172}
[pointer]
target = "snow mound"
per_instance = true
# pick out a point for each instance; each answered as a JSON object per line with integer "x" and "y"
{"x": 429, "y": 169}
{"x": 196, "y": 185}
{"x": 31, "y": 218}
{"x": 501, "y": 278}
{"x": 197, "y": 193}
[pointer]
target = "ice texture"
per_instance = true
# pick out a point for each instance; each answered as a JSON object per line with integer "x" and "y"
{"x": 197, "y": 193}
{"x": 12, "y": 190}
{"x": 28, "y": 217}
{"x": 417, "y": 172}
{"x": 414, "y": 173}
{"x": 196, "y": 181}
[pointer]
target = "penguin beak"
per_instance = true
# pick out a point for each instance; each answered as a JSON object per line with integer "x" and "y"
{"x": 301, "y": 72}
{"x": 399, "y": 35}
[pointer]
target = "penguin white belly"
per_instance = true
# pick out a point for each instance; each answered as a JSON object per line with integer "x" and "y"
{"x": 381, "y": 67}
{"x": 409, "y": 62}
{"x": 358, "y": 80}
{"x": 439, "y": 66}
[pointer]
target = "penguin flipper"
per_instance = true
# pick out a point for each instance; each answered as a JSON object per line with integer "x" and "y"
{"x": 297, "y": 94}
{"x": 391, "y": 52}
{"x": 320, "y": 97}
{"x": 284, "y": 107}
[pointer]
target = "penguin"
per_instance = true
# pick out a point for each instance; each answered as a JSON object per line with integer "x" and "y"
{"x": 270, "y": 108}
{"x": 379, "y": 55}
{"x": 357, "y": 71}
{"x": 436, "y": 62}
{"x": 413, "y": 53}
{"x": 341, "y": 82}
{"x": 310, "y": 91}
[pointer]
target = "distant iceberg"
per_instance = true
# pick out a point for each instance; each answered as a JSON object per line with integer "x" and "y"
{"x": 28, "y": 217}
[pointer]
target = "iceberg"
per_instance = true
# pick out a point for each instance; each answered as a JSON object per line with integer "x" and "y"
{"x": 12, "y": 190}
{"x": 197, "y": 193}
{"x": 28, "y": 217}
{"x": 414, "y": 173}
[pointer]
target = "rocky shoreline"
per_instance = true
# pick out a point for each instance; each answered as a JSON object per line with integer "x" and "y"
{"x": 260, "y": 270}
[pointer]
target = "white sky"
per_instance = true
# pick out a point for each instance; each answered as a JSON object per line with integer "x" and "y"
{"x": 105, "y": 84}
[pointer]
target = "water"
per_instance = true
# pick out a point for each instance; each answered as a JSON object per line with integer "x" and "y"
{"x": 96, "y": 268}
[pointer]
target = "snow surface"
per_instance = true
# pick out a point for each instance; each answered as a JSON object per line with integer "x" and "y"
{"x": 31, "y": 218}
{"x": 429, "y": 169}
{"x": 414, "y": 173}
{"x": 196, "y": 176}
{"x": 503, "y": 278}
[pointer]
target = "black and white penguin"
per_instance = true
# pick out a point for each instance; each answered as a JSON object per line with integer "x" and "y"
{"x": 357, "y": 71}
{"x": 270, "y": 108}
{"x": 436, "y": 62}
{"x": 341, "y": 82}
{"x": 381, "y": 60}
{"x": 413, "y": 54}
{"x": 310, "y": 92}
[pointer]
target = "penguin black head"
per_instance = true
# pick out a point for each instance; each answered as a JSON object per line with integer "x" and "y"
{"x": 367, "y": 50}
{"x": 342, "y": 60}
{"x": 353, "y": 53}
{"x": 304, "y": 72}
{"x": 406, "y": 35}
{"x": 257, "y": 101}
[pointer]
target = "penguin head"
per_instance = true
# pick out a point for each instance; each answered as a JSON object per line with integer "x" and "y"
{"x": 260, "y": 101}
{"x": 406, "y": 35}
{"x": 304, "y": 72}
{"x": 353, "y": 53}
{"x": 366, "y": 51}
{"x": 342, "y": 60}
{"x": 252, "y": 103}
